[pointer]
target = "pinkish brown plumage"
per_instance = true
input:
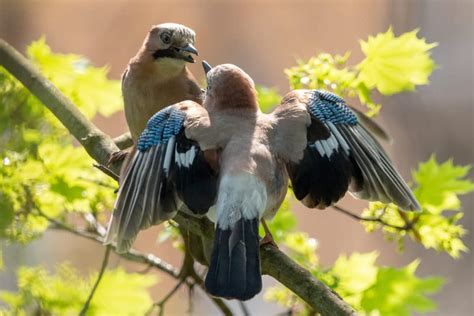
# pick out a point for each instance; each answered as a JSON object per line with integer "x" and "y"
{"x": 233, "y": 162}
{"x": 157, "y": 76}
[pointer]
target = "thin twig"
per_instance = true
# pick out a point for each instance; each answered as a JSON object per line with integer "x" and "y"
{"x": 370, "y": 219}
{"x": 107, "y": 171}
{"x": 190, "y": 299}
{"x": 105, "y": 261}
{"x": 217, "y": 301}
{"x": 161, "y": 304}
{"x": 98, "y": 182}
{"x": 243, "y": 307}
{"x": 132, "y": 254}
{"x": 93, "y": 223}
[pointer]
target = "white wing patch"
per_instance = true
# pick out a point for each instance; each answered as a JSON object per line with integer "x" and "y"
{"x": 185, "y": 159}
{"x": 326, "y": 147}
{"x": 338, "y": 137}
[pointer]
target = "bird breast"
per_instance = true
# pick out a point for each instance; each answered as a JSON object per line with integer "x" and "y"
{"x": 143, "y": 97}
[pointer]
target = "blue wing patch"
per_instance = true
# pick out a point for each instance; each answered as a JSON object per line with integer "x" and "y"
{"x": 328, "y": 107}
{"x": 161, "y": 127}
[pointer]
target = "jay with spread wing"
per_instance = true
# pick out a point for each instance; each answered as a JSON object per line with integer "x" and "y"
{"x": 232, "y": 161}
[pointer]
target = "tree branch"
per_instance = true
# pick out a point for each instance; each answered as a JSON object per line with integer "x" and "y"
{"x": 105, "y": 261}
{"x": 132, "y": 254}
{"x": 123, "y": 141}
{"x": 96, "y": 143}
{"x": 284, "y": 269}
{"x": 100, "y": 146}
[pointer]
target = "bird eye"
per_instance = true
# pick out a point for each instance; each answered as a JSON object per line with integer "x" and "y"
{"x": 166, "y": 38}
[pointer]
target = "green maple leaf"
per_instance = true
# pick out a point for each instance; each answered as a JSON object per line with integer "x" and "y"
{"x": 355, "y": 274}
{"x": 395, "y": 64}
{"x": 64, "y": 293}
{"x": 87, "y": 86}
{"x": 440, "y": 184}
{"x": 398, "y": 291}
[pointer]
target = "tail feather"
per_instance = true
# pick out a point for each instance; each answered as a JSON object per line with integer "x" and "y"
{"x": 234, "y": 271}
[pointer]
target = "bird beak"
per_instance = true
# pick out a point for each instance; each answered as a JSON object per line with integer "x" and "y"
{"x": 186, "y": 52}
{"x": 190, "y": 49}
{"x": 206, "y": 67}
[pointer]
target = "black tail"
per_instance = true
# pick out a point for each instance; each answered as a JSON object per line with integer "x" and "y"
{"x": 234, "y": 271}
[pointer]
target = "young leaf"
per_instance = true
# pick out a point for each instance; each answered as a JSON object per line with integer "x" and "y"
{"x": 438, "y": 188}
{"x": 395, "y": 64}
{"x": 65, "y": 292}
{"x": 355, "y": 274}
{"x": 398, "y": 291}
{"x": 87, "y": 86}
{"x": 440, "y": 184}
{"x": 268, "y": 98}
{"x": 128, "y": 292}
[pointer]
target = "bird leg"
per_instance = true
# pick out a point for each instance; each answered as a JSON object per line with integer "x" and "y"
{"x": 117, "y": 156}
{"x": 268, "y": 238}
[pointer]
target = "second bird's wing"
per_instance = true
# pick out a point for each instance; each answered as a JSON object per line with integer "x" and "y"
{"x": 166, "y": 170}
{"x": 330, "y": 153}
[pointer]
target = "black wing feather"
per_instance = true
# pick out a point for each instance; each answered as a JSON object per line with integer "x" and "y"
{"x": 155, "y": 183}
{"x": 344, "y": 156}
{"x": 196, "y": 181}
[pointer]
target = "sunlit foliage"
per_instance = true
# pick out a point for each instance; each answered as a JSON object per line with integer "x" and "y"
{"x": 43, "y": 173}
{"x": 391, "y": 65}
{"x": 65, "y": 292}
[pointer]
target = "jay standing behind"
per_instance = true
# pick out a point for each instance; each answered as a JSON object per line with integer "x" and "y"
{"x": 231, "y": 158}
{"x": 157, "y": 76}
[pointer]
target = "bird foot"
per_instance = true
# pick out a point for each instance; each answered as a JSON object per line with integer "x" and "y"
{"x": 116, "y": 156}
{"x": 268, "y": 240}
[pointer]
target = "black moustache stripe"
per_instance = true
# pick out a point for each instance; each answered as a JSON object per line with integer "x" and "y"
{"x": 166, "y": 53}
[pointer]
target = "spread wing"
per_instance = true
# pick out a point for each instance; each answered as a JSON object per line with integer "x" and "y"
{"x": 166, "y": 170}
{"x": 331, "y": 153}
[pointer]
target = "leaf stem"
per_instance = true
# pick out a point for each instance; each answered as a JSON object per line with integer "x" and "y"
{"x": 379, "y": 220}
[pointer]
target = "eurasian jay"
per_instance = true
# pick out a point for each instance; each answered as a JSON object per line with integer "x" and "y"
{"x": 157, "y": 76}
{"x": 231, "y": 159}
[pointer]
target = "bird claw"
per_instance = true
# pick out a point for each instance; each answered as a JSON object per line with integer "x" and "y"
{"x": 116, "y": 156}
{"x": 268, "y": 240}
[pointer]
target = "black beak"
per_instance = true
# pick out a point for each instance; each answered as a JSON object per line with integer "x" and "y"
{"x": 206, "y": 66}
{"x": 185, "y": 53}
{"x": 190, "y": 49}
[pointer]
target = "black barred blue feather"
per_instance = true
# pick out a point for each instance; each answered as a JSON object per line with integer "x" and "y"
{"x": 161, "y": 127}
{"x": 166, "y": 170}
{"x": 328, "y": 107}
{"x": 342, "y": 155}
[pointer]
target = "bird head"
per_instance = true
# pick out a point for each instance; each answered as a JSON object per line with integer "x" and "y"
{"x": 228, "y": 86}
{"x": 171, "y": 44}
